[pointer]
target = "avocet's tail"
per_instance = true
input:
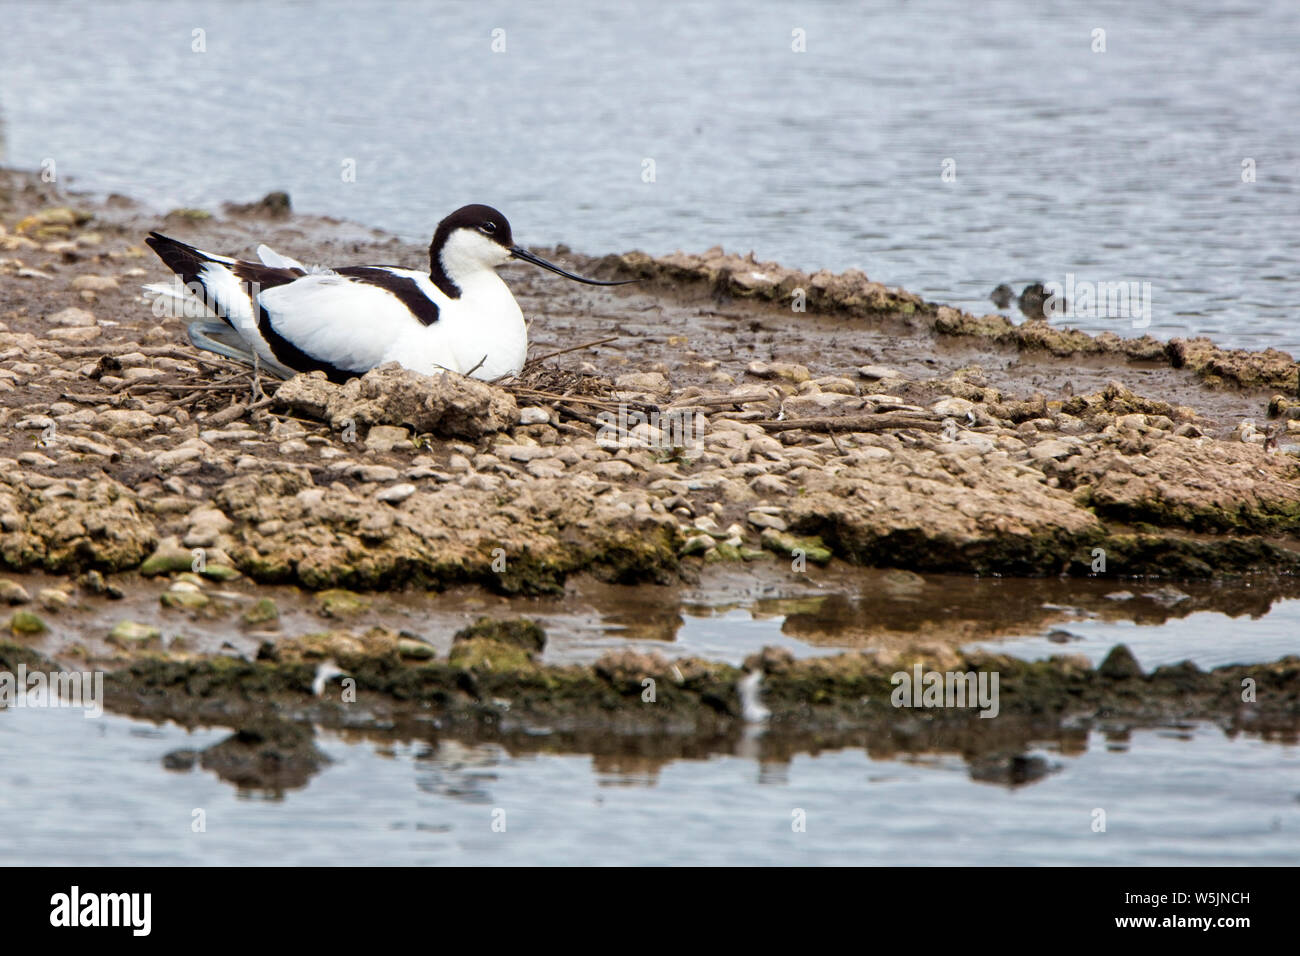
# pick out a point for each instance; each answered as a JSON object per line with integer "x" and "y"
{"x": 208, "y": 277}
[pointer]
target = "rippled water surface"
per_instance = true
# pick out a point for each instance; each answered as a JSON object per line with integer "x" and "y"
{"x": 94, "y": 792}
{"x": 1122, "y": 165}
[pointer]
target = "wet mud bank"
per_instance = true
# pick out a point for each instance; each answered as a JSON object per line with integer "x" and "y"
{"x": 872, "y": 428}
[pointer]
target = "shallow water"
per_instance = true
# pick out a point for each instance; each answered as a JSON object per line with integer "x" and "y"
{"x": 1123, "y": 165}
{"x": 93, "y": 792}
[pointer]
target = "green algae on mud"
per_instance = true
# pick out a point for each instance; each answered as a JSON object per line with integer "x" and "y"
{"x": 489, "y": 682}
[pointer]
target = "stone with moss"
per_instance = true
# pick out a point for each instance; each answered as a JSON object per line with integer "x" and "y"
{"x": 11, "y": 592}
{"x": 521, "y": 632}
{"x": 263, "y": 612}
{"x": 493, "y": 656}
{"x": 412, "y": 649}
{"x": 53, "y": 599}
{"x": 812, "y": 547}
{"x": 185, "y": 600}
{"x": 132, "y": 634}
{"x": 26, "y": 624}
{"x": 168, "y": 559}
{"x": 339, "y": 603}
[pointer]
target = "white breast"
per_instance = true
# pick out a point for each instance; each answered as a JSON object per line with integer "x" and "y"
{"x": 481, "y": 333}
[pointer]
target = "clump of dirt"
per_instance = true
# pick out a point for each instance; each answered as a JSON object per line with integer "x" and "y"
{"x": 445, "y": 405}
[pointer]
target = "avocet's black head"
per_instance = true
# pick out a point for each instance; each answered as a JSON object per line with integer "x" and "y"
{"x": 475, "y": 238}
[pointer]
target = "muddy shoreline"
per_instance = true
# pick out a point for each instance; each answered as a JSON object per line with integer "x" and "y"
{"x": 926, "y": 448}
{"x": 869, "y": 429}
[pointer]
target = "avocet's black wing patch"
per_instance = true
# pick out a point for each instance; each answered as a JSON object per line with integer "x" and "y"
{"x": 403, "y": 287}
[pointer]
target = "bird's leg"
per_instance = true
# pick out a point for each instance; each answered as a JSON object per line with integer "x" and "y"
{"x": 257, "y": 382}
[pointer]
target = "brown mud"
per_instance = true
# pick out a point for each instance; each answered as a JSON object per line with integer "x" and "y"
{"x": 869, "y": 430}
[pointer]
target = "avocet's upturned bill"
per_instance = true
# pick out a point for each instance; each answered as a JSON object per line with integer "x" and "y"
{"x": 288, "y": 318}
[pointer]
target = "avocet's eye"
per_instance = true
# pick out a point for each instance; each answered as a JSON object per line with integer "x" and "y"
{"x": 488, "y": 227}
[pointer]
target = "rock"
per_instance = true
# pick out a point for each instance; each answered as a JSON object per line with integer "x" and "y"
{"x": 761, "y": 520}
{"x": 176, "y": 456}
{"x": 73, "y": 317}
{"x": 396, "y": 493}
{"x": 725, "y": 551}
{"x": 340, "y": 603}
{"x": 169, "y": 558}
{"x": 1120, "y": 664}
{"x": 26, "y": 624}
{"x": 186, "y": 600}
{"x": 957, "y": 408}
{"x": 11, "y": 592}
{"x": 53, "y": 599}
{"x": 769, "y": 486}
{"x": 131, "y": 634}
{"x": 384, "y": 438}
{"x": 274, "y": 205}
{"x": 534, "y": 415}
{"x": 219, "y": 572}
{"x": 698, "y": 544}
{"x": 53, "y": 218}
{"x": 614, "y": 470}
{"x": 94, "y": 283}
{"x": 414, "y": 650}
{"x": 784, "y": 370}
{"x": 94, "y": 582}
{"x": 448, "y": 405}
{"x": 1050, "y": 448}
{"x": 125, "y": 422}
{"x": 812, "y": 548}
{"x": 875, "y": 372}
{"x": 263, "y": 612}
{"x": 521, "y": 633}
{"x": 376, "y": 473}
{"x": 207, "y": 523}
{"x": 525, "y": 453}
{"x": 819, "y": 404}
{"x": 652, "y": 382}
{"x": 79, "y": 444}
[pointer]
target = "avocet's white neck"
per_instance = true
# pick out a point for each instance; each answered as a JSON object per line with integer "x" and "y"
{"x": 468, "y": 256}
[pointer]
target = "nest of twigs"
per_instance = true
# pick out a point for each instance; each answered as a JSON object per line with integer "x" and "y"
{"x": 572, "y": 395}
